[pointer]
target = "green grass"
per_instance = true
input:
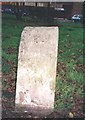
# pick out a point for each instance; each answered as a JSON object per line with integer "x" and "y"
{"x": 69, "y": 79}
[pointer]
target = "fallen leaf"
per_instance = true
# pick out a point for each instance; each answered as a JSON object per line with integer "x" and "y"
{"x": 71, "y": 115}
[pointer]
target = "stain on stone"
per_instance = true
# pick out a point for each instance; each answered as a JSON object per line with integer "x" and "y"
{"x": 52, "y": 85}
{"x": 27, "y": 97}
{"x": 36, "y": 41}
{"x": 21, "y": 97}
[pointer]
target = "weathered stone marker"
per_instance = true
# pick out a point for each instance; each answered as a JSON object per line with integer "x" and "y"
{"x": 36, "y": 74}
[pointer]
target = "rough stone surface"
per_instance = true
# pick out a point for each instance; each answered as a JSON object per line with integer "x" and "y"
{"x": 36, "y": 74}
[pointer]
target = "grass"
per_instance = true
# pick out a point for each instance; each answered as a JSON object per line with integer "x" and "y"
{"x": 69, "y": 81}
{"x": 70, "y": 77}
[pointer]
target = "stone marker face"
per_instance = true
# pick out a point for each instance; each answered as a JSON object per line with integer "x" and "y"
{"x": 36, "y": 74}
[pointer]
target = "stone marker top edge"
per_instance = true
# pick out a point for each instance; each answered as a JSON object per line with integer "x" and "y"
{"x": 27, "y": 28}
{"x": 41, "y": 27}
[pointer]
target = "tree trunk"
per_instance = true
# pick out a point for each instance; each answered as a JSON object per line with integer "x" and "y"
{"x": 18, "y": 11}
{"x": 49, "y": 15}
{"x": 36, "y": 4}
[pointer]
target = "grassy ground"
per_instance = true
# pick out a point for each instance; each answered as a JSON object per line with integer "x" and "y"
{"x": 70, "y": 69}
